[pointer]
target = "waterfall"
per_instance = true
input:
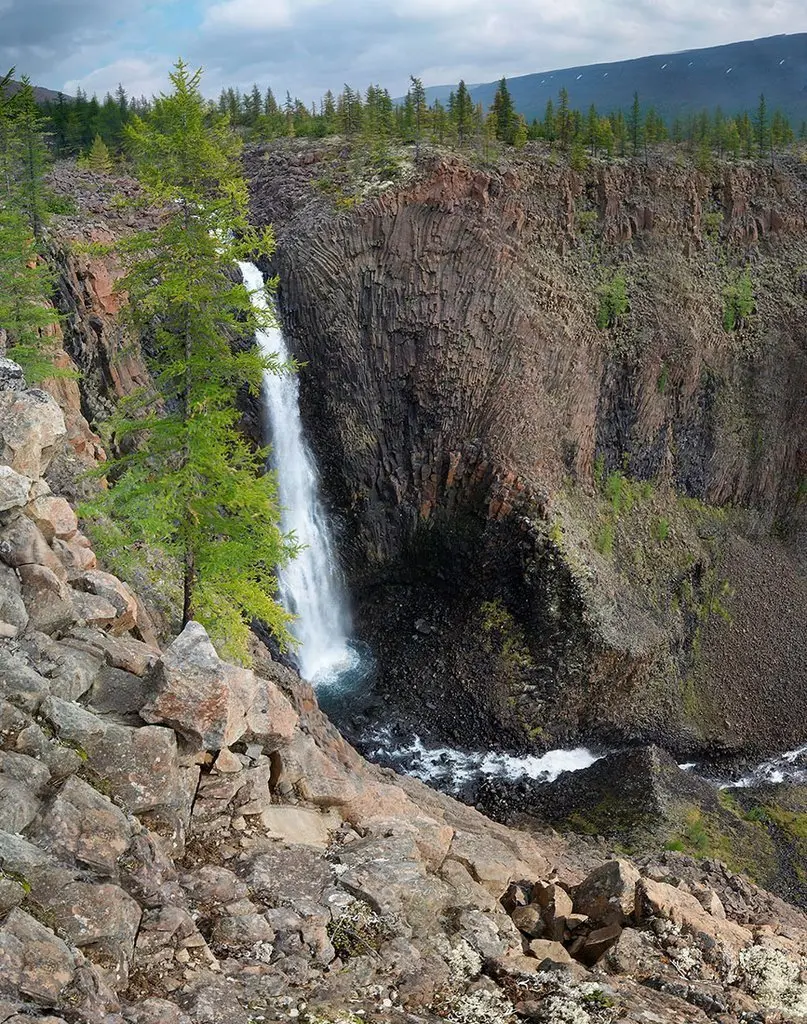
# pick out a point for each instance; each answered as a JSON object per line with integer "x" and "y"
{"x": 310, "y": 586}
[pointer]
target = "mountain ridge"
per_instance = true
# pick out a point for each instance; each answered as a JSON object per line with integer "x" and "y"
{"x": 731, "y": 76}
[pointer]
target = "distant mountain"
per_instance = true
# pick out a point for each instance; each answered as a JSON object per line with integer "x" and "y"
{"x": 731, "y": 76}
{"x": 42, "y": 95}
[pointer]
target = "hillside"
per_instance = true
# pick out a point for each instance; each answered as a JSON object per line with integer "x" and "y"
{"x": 731, "y": 76}
{"x": 42, "y": 95}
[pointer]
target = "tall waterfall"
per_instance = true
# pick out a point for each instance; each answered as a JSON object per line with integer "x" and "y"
{"x": 310, "y": 587}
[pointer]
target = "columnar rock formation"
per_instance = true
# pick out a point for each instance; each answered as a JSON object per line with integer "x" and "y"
{"x": 470, "y": 417}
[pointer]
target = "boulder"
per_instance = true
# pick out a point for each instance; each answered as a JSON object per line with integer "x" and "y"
{"x": 546, "y": 949}
{"x": 113, "y": 592}
{"x": 12, "y": 606}
{"x": 597, "y": 943}
{"x": 82, "y": 824}
{"x": 661, "y": 900}
{"x": 54, "y": 517}
{"x": 23, "y": 543}
{"x": 76, "y": 555}
{"x": 31, "y": 425}
{"x": 608, "y": 893}
{"x": 213, "y": 704}
{"x": 14, "y": 489}
{"x": 35, "y": 963}
{"x": 529, "y": 920}
{"x": 46, "y": 598}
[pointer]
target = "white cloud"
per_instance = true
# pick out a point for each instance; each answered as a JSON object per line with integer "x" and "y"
{"x": 139, "y": 77}
{"x": 248, "y": 15}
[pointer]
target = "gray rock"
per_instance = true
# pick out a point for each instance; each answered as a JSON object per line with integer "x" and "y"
{"x": 14, "y": 489}
{"x": 123, "y": 652}
{"x": 156, "y": 1011}
{"x": 18, "y": 805}
{"x": 98, "y": 918}
{"x": 118, "y": 694}
{"x": 47, "y": 599}
{"x": 22, "y": 543}
{"x": 20, "y": 684}
{"x": 12, "y": 377}
{"x": 36, "y": 963}
{"x": 608, "y": 894}
{"x": 84, "y": 825}
{"x": 31, "y": 425}
{"x": 140, "y": 766}
{"x": 242, "y": 931}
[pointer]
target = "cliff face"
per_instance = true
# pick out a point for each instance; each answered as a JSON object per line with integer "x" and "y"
{"x": 464, "y": 403}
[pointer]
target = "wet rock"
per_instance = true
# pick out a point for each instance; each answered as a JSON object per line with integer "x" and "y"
{"x": 31, "y": 425}
{"x": 213, "y": 704}
{"x": 609, "y": 892}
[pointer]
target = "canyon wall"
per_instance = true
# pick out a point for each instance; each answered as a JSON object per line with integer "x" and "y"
{"x": 473, "y": 423}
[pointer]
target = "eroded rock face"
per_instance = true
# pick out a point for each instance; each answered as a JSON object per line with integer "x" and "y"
{"x": 455, "y": 378}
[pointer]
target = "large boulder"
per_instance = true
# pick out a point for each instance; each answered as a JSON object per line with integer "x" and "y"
{"x": 213, "y": 704}
{"x": 31, "y": 425}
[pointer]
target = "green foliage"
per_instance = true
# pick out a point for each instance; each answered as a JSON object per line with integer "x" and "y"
{"x": 738, "y": 299}
{"x": 98, "y": 159}
{"x": 604, "y": 541}
{"x": 502, "y": 633}
{"x": 25, "y": 280}
{"x": 662, "y": 530}
{"x": 614, "y": 303}
{"x": 663, "y": 379}
{"x": 185, "y": 480}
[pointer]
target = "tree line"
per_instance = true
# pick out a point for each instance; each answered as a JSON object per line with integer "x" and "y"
{"x": 374, "y": 118}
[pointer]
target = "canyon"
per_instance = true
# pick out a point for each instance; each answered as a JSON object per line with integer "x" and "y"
{"x": 183, "y": 840}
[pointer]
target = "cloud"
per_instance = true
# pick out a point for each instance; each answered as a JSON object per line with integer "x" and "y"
{"x": 307, "y": 46}
{"x": 141, "y": 77}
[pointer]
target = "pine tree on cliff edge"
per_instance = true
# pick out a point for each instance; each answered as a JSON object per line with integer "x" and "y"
{"x": 186, "y": 481}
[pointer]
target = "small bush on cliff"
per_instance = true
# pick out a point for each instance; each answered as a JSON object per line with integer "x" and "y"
{"x": 738, "y": 299}
{"x": 186, "y": 481}
{"x": 613, "y": 301}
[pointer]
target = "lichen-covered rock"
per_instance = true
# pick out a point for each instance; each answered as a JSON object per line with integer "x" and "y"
{"x": 84, "y": 825}
{"x": 31, "y": 425}
{"x": 34, "y": 963}
{"x": 12, "y": 377}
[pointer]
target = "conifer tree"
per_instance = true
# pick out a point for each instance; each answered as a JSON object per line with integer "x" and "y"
{"x": 418, "y": 94}
{"x": 98, "y": 159}
{"x": 186, "y": 481}
{"x": 25, "y": 280}
{"x": 504, "y": 110}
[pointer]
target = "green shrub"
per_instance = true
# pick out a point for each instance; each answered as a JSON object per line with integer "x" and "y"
{"x": 605, "y": 539}
{"x": 738, "y": 302}
{"x": 613, "y": 301}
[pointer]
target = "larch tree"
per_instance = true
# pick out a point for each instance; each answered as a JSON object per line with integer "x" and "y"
{"x": 419, "y": 110}
{"x": 186, "y": 481}
{"x": 506, "y": 120}
{"x": 26, "y": 315}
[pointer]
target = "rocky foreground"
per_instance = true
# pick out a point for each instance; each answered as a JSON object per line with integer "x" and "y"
{"x": 183, "y": 840}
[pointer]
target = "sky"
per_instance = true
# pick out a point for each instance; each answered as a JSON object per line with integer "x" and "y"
{"x": 308, "y": 46}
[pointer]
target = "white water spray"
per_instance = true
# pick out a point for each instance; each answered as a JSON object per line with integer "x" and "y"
{"x": 310, "y": 587}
